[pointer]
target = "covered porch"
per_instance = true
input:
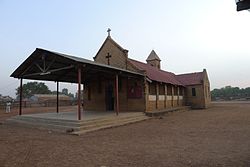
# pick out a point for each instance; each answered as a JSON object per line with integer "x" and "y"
{"x": 46, "y": 65}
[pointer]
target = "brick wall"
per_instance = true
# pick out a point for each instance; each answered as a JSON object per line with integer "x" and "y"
{"x": 118, "y": 56}
{"x": 97, "y": 100}
{"x": 202, "y": 98}
{"x": 165, "y": 99}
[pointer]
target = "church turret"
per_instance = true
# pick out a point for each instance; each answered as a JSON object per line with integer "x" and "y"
{"x": 154, "y": 60}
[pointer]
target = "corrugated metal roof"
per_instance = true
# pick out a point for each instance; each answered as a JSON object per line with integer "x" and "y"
{"x": 86, "y": 61}
{"x": 190, "y": 78}
{"x": 61, "y": 59}
{"x": 155, "y": 74}
{"x": 152, "y": 73}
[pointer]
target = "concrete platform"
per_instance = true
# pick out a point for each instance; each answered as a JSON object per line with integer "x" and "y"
{"x": 67, "y": 121}
{"x": 86, "y": 115}
{"x": 91, "y": 120}
{"x": 165, "y": 111}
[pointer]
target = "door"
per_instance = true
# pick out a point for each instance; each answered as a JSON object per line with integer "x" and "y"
{"x": 109, "y": 96}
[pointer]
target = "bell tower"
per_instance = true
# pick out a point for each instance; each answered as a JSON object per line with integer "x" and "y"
{"x": 154, "y": 60}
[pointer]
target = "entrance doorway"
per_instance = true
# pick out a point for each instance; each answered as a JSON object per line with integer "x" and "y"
{"x": 109, "y": 97}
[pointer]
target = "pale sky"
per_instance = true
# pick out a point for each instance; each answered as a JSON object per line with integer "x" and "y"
{"x": 188, "y": 36}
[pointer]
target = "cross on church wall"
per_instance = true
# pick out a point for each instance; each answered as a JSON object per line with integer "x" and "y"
{"x": 108, "y": 57}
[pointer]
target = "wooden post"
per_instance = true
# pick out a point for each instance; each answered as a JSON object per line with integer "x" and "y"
{"x": 146, "y": 93}
{"x": 183, "y": 96}
{"x": 57, "y": 97}
{"x": 79, "y": 93}
{"x": 117, "y": 94}
{"x": 21, "y": 96}
{"x": 178, "y": 95}
{"x": 157, "y": 95}
{"x": 166, "y": 96}
{"x": 172, "y": 87}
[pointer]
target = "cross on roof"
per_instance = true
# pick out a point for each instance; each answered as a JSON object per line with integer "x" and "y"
{"x": 108, "y": 31}
{"x": 108, "y": 57}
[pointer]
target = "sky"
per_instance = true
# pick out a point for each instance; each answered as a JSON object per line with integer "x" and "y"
{"x": 188, "y": 36}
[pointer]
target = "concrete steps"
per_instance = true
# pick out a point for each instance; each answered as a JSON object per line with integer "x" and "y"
{"x": 74, "y": 126}
{"x": 108, "y": 123}
{"x": 165, "y": 111}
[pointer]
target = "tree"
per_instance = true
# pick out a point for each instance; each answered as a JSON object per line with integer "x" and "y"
{"x": 65, "y": 91}
{"x": 32, "y": 88}
{"x": 247, "y": 91}
{"x": 229, "y": 93}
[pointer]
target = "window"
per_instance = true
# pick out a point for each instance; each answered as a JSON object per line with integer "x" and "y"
{"x": 181, "y": 91}
{"x": 193, "y": 92}
{"x": 169, "y": 89}
{"x": 134, "y": 91}
{"x": 175, "y": 90}
{"x": 152, "y": 89}
{"x": 161, "y": 89}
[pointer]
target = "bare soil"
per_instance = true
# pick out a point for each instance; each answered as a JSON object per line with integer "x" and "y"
{"x": 218, "y": 136}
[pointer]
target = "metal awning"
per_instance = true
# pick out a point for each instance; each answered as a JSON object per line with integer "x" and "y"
{"x": 52, "y": 66}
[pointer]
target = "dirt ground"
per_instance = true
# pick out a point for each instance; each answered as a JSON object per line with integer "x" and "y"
{"x": 218, "y": 136}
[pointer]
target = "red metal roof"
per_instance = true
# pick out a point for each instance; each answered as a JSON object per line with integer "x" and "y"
{"x": 155, "y": 74}
{"x": 191, "y": 78}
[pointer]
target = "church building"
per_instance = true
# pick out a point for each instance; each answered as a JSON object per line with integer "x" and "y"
{"x": 116, "y": 82}
{"x": 155, "y": 90}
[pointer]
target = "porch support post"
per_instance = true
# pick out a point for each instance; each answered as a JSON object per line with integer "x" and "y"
{"x": 157, "y": 95}
{"x": 146, "y": 93}
{"x": 21, "y": 96}
{"x": 178, "y": 95}
{"x": 183, "y": 96}
{"x": 172, "y": 87}
{"x": 117, "y": 94}
{"x": 57, "y": 97}
{"x": 166, "y": 96}
{"x": 79, "y": 92}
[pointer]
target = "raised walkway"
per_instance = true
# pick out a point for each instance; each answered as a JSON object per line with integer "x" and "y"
{"x": 67, "y": 121}
{"x": 164, "y": 111}
{"x": 91, "y": 120}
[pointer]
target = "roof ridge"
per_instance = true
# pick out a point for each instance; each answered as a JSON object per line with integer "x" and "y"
{"x": 113, "y": 41}
{"x": 189, "y": 73}
{"x": 157, "y": 74}
{"x": 137, "y": 61}
{"x": 152, "y": 66}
